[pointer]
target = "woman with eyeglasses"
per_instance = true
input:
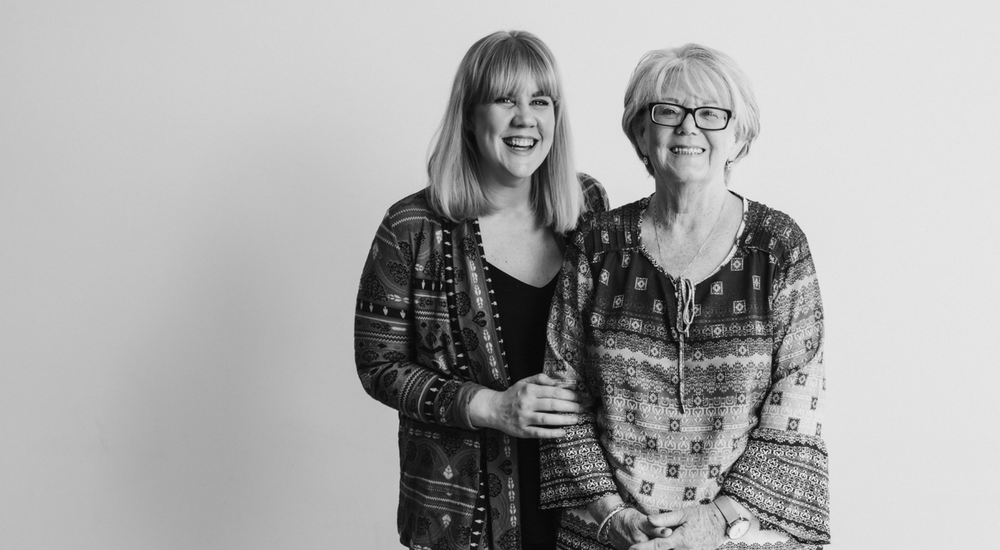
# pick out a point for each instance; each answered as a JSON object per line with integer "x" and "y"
{"x": 479, "y": 249}
{"x": 692, "y": 322}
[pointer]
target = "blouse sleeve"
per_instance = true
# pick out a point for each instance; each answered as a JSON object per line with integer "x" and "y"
{"x": 574, "y": 471}
{"x": 385, "y": 339}
{"x": 782, "y": 475}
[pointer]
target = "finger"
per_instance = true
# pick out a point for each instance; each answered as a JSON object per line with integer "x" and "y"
{"x": 653, "y": 544}
{"x": 548, "y": 420}
{"x": 652, "y": 530}
{"x": 674, "y": 540}
{"x": 552, "y": 404}
{"x": 543, "y": 379}
{"x": 563, "y": 394}
{"x": 536, "y": 432}
{"x": 661, "y": 532}
{"x": 531, "y": 391}
{"x": 666, "y": 519}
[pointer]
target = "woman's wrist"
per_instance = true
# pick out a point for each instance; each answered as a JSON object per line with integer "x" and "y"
{"x": 463, "y": 405}
{"x": 480, "y": 408}
{"x": 740, "y": 509}
{"x": 600, "y": 508}
{"x": 604, "y": 528}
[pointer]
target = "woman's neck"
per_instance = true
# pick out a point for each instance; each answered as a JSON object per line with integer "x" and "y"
{"x": 514, "y": 239}
{"x": 688, "y": 232}
{"x": 509, "y": 197}
{"x": 685, "y": 208}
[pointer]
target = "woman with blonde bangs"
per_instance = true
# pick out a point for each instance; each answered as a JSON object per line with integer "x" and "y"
{"x": 478, "y": 249}
{"x": 692, "y": 322}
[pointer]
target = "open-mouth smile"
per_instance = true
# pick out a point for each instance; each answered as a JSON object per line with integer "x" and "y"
{"x": 520, "y": 143}
{"x": 687, "y": 150}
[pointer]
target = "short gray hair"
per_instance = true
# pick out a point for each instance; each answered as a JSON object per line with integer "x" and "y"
{"x": 701, "y": 70}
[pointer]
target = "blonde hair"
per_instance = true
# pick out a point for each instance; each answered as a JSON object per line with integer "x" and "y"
{"x": 700, "y": 70}
{"x": 496, "y": 65}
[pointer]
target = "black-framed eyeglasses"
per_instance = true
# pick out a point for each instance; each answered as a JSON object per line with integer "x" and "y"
{"x": 705, "y": 118}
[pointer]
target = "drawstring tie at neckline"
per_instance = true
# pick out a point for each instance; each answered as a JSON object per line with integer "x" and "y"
{"x": 684, "y": 291}
{"x": 685, "y": 316}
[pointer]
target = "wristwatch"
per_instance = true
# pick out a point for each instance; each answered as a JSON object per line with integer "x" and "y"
{"x": 736, "y": 525}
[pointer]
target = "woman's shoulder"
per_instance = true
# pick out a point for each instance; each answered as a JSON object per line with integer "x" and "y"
{"x": 415, "y": 204}
{"x": 413, "y": 210}
{"x": 772, "y": 230}
{"x": 612, "y": 229}
{"x": 625, "y": 217}
{"x": 413, "y": 224}
{"x": 595, "y": 197}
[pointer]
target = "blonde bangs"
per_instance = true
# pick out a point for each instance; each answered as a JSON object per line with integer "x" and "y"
{"x": 511, "y": 69}
{"x": 502, "y": 64}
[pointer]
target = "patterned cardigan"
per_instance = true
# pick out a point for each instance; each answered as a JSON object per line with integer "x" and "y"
{"x": 427, "y": 337}
{"x": 742, "y": 416}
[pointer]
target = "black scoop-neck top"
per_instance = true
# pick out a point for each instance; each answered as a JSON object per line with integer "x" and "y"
{"x": 524, "y": 315}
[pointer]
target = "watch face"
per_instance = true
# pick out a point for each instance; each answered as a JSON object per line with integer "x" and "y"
{"x": 738, "y": 528}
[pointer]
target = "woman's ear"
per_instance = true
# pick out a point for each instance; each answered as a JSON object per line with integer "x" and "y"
{"x": 737, "y": 149}
{"x": 639, "y": 133}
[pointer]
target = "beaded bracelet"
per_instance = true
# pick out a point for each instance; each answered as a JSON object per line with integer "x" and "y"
{"x": 605, "y": 527}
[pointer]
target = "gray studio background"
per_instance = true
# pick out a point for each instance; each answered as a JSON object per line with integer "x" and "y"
{"x": 188, "y": 191}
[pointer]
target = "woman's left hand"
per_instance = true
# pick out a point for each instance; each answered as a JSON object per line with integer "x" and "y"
{"x": 696, "y": 528}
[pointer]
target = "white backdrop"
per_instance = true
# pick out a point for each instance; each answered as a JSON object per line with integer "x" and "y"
{"x": 188, "y": 190}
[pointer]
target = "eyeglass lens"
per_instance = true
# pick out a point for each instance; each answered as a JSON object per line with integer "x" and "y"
{"x": 706, "y": 118}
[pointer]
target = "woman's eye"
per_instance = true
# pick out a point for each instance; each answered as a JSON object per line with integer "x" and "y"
{"x": 710, "y": 114}
{"x": 503, "y": 100}
{"x": 541, "y": 101}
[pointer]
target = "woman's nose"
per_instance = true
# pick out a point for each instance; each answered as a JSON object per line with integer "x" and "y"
{"x": 524, "y": 116}
{"x": 687, "y": 123}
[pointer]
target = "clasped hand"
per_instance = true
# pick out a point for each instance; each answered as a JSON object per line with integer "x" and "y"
{"x": 696, "y": 528}
{"x": 535, "y": 407}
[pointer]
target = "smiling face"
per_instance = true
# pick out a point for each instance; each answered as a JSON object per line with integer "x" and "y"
{"x": 514, "y": 133}
{"x": 687, "y": 154}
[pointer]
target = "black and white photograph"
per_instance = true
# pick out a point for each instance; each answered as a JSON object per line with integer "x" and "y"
{"x": 462, "y": 275}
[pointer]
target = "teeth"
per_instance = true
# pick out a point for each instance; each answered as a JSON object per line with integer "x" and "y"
{"x": 686, "y": 150}
{"x": 519, "y": 142}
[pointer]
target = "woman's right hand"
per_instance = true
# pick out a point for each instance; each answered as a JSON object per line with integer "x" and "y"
{"x": 535, "y": 407}
{"x": 630, "y": 526}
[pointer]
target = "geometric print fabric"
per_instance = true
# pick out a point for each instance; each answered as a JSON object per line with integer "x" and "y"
{"x": 751, "y": 388}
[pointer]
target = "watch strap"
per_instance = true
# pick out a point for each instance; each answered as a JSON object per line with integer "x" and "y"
{"x": 727, "y": 509}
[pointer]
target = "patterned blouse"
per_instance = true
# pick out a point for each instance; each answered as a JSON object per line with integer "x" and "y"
{"x": 741, "y": 415}
{"x": 427, "y": 337}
